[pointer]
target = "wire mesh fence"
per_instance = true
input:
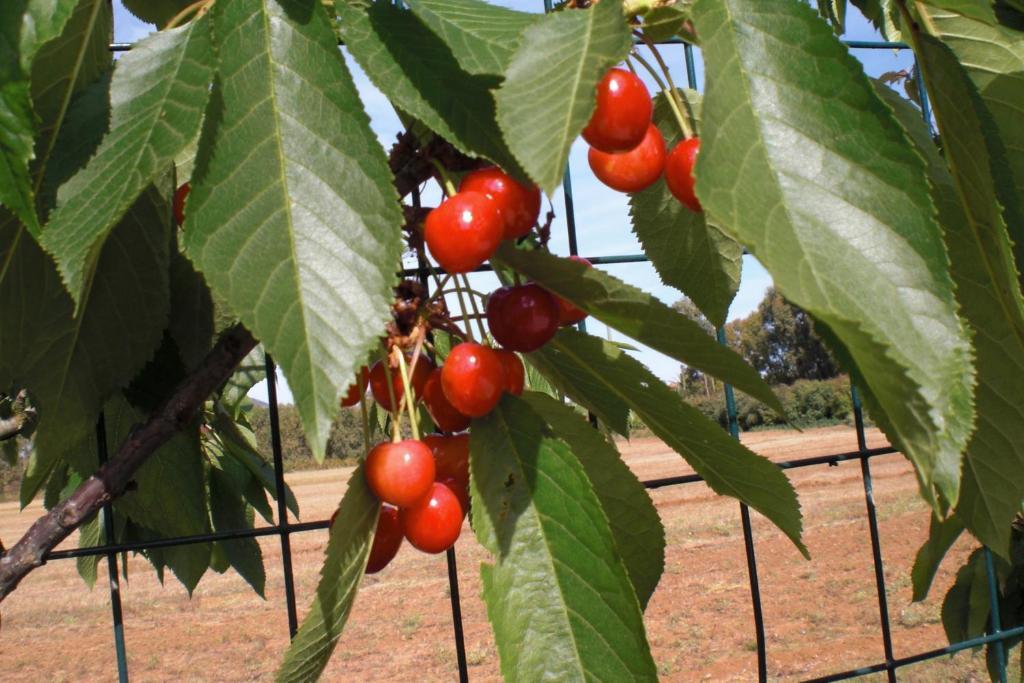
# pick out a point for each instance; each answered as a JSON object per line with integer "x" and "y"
{"x": 284, "y": 529}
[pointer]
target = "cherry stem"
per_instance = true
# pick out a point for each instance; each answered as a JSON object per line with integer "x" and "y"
{"x": 476, "y": 311}
{"x": 462, "y": 305}
{"x": 445, "y": 178}
{"x": 673, "y": 93}
{"x": 185, "y": 13}
{"x": 408, "y": 398}
{"x": 396, "y": 432}
{"x": 364, "y": 414}
{"x": 439, "y": 290}
{"x": 669, "y": 96}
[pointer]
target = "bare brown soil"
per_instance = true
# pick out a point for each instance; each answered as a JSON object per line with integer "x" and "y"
{"x": 821, "y": 615}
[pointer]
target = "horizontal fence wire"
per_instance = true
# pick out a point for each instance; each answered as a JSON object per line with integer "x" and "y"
{"x": 284, "y": 529}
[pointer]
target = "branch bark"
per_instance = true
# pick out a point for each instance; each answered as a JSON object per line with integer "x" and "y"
{"x": 112, "y": 479}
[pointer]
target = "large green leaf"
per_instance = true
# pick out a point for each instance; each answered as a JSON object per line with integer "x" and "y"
{"x": 229, "y": 512}
{"x": 639, "y": 315}
{"x": 481, "y": 36}
{"x": 988, "y": 289}
{"x": 558, "y": 595}
{"x": 993, "y": 58}
{"x": 549, "y": 89}
{"x": 292, "y": 218}
{"x": 63, "y": 68}
{"x": 25, "y": 26}
{"x": 344, "y": 564}
{"x": 980, "y": 10}
{"x": 636, "y": 528}
{"x": 599, "y": 367}
{"x": 192, "y": 322}
{"x": 72, "y": 364}
{"x": 157, "y": 94}
{"x": 418, "y": 73}
{"x": 804, "y": 164}
{"x": 687, "y": 249}
{"x": 941, "y": 537}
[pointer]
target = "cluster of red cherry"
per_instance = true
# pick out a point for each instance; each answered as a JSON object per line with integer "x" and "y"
{"x": 627, "y": 151}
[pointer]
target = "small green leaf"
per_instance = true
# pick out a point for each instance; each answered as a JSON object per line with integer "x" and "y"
{"x": 558, "y": 595}
{"x": 157, "y": 94}
{"x": 966, "y": 607}
{"x": 804, "y": 165}
{"x": 157, "y": 12}
{"x": 305, "y": 253}
{"x": 418, "y": 73}
{"x": 687, "y": 249}
{"x": 600, "y": 368}
{"x": 666, "y": 22}
{"x": 89, "y": 535}
{"x": 634, "y": 522}
{"x": 550, "y": 85}
{"x": 941, "y": 537}
{"x": 344, "y": 564}
{"x": 229, "y": 512}
{"x": 240, "y": 444}
{"x": 639, "y": 315}
{"x": 481, "y": 36}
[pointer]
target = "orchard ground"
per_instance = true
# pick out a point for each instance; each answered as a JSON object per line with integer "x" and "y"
{"x": 821, "y": 616}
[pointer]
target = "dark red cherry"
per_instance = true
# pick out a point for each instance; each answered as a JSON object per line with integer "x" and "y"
{"x": 434, "y": 524}
{"x": 623, "y": 112}
{"x": 634, "y": 170}
{"x": 464, "y": 231}
{"x": 473, "y": 378}
{"x": 570, "y": 314}
{"x": 400, "y": 473}
{"x": 451, "y": 457}
{"x": 679, "y": 173}
{"x": 386, "y": 540}
{"x": 445, "y": 416}
{"x": 519, "y": 205}
{"x": 379, "y": 382}
{"x": 522, "y": 318}
{"x": 358, "y": 388}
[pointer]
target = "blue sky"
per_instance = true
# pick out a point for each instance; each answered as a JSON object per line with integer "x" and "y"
{"x": 602, "y": 218}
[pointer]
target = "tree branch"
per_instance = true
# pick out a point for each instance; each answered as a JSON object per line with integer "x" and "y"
{"x": 112, "y": 479}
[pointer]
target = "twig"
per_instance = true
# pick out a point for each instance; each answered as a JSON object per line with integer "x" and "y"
{"x": 111, "y": 480}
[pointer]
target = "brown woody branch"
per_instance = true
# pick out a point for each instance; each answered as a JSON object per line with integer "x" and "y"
{"x": 111, "y": 480}
{"x": 22, "y": 417}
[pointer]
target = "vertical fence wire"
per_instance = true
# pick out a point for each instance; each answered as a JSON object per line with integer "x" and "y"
{"x": 282, "y": 505}
{"x": 116, "y": 612}
{"x": 995, "y": 622}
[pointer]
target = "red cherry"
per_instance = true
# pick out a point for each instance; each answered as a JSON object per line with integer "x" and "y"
{"x": 400, "y": 473}
{"x": 464, "y": 231}
{"x": 379, "y": 382}
{"x": 570, "y": 314}
{"x": 473, "y": 378}
{"x": 451, "y": 457}
{"x": 522, "y": 318}
{"x": 515, "y": 373}
{"x": 634, "y": 170}
{"x": 178, "y": 203}
{"x": 679, "y": 173}
{"x": 357, "y": 389}
{"x": 446, "y": 417}
{"x": 386, "y": 540}
{"x": 434, "y": 524}
{"x": 623, "y": 112}
{"x": 461, "y": 492}
{"x": 519, "y": 205}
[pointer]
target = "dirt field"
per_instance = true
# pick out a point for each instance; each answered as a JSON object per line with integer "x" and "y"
{"x": 821, "y": 616}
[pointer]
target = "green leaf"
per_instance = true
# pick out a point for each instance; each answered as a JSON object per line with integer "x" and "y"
{"x": 805, "y": 166}
{"x": 305, "y": 254}
{"x": 481, "y": 36}
{"x": 639, "y": 315}
{"x": 157, "y": 12}
{"x": 62, "y": 69}
{"x": 988, "y": 287}
{"x": 229, "y": 512}
{"x": 192, "y": 322}
{"x": 966, "y": 607}
{"x": 344, "y": 564}
{"x": 980, "y": 10}
{"x": 240, "y": 443}
{"x": 90, "y": 534}
{"x": 418, "y": 73}
{"x": 25, "y": 26}
{"x": 250, "y": 372}
{"x": 71, "y": 365}
{"x": 666, "y": 22}
{"x": 599, "y": 368}
{"x": 993, "y": 58}
{"x": 636, "y": 528}
{"x": 834, "y": 11}
{"x": 941, "y": 537}
{"x": 687, "y": 249}
{"x": 157, "y": 94}
{"x": 558, "y": 595}
{"x": 550, "y": 85}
